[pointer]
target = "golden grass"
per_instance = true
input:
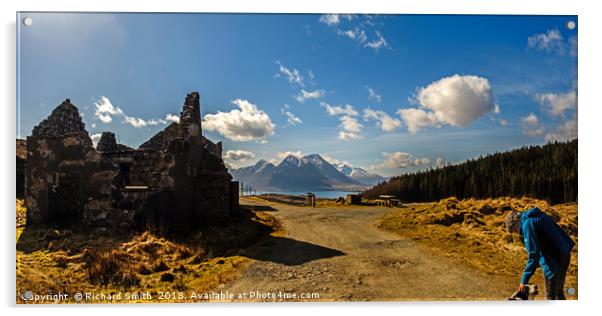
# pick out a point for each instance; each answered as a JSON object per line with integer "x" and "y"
{"x": 472, "y": 232}
{"x": 52, "y": 260}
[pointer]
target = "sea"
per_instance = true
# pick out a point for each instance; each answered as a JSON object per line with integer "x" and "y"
{"x": 319, "y": 194}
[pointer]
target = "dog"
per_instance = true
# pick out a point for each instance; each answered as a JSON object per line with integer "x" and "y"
{"x": 527, "y": 294}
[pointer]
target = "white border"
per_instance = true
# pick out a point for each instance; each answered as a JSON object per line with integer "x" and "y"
{"x": 590, "y": 209}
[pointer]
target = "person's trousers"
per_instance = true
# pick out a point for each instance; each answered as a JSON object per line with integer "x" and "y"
{"x": 555, "y": 285}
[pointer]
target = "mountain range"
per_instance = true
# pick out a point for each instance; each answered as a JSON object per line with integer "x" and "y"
{"x": 309, "y": 173}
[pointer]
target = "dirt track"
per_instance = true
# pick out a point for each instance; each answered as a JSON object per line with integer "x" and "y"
{"x": 340, "y": 254}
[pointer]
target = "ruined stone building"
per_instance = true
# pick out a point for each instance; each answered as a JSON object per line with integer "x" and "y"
{"x": 175, "y": 181}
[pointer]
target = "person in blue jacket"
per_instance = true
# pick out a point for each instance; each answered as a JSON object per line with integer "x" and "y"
{"x": 547, "y": 245}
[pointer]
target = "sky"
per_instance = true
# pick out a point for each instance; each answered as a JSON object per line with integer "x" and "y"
{"x": 392, "y": 94}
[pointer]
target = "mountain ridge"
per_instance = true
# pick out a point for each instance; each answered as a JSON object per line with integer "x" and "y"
{"x": 310, "y": 172}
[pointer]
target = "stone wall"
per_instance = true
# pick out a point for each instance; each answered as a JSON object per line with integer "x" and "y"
{"x": 176, "y": 181}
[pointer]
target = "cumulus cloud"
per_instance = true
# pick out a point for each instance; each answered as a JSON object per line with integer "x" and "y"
{"x": 350, "y": 124}
{"x": 399, "y": 160}
{"x": 383, "y": 120}
{"x": 339, "y": 109}
{"x": 237, "y": 158}
{"x": 305, "y": 95}
{"x": 172, "y": 118}
{"x": 135, "y": 121}
{"x": 372, "y": 95}
{"x": 456, "y": 100}
{"x": 247, "y": 123}
{"x": 105, "y": 111}
{"x": 235, "y": 155}
{"x": 351, "y": 128}
{"x": 550, "y": 41}
{"x": 415, "y": 119}
{"x": 292, "y": 75}
{"x": 556, "y": 104}
{"x": 530, "y": 124}
{"x": 565, "y": 131}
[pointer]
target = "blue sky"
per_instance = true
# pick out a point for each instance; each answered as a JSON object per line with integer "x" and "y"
{"x": 389, "y": 93}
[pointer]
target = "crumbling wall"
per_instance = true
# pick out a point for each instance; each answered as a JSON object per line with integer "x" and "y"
{"x": 175, "y": 181}
{"x": 62, "y": 167}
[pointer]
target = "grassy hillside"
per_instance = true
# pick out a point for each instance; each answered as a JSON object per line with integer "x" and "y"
{"x": 80, "y": 259}
{"x": 472, "y": 232}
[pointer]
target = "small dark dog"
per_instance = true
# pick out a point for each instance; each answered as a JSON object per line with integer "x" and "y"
{"x": 527, "y": 294}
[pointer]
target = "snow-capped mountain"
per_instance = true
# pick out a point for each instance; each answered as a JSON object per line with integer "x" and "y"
{"x": 360, "y": 174}
{"x": 311, "y": 172}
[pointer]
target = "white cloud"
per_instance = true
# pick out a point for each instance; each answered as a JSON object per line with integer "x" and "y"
{"x": 293, "y": 76}
{"x": 456, "y": 100}
{"x": 291, "y": 118}
{"x": 383, "y": 120}
{"x": 95, "y": 138}
{"x": 422, "y": 161}
{"x": 557, "y": 103}
{"x": 238, "y": 155}
{"x": 305, "y": 95}
{"x": 415, "y": 119}
{"x": 339, "y": 110}
{"x": 247, "y": 123}
{"x": 357, "y": 31}
{"x": 350, "y": 124}
{"x": 237, "y": 158}
{"x": 105, "y": 110}
{"x": 335, "y": 161}
{"x": 398, "y": 160}
{"x": 504, "y": 122}
{"x": 440, "y": 163}
{"x": 566, "y": 131}
{"x": 351, "y": 127}
{"x": 334, "y": 19}
{"x": 551, "y": 41}
{"x": 377, "y": 43}
{"x": 372, "y": 95}
{"x": 343, "y": 135}
{"x": 172, "y": 118}
{"x": 530, "y": 124}
{"x": 283, "y": 154}
{"x": 134, "y": 121}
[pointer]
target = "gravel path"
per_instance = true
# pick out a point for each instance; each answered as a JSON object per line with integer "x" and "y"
{"x": 340, "y": 255}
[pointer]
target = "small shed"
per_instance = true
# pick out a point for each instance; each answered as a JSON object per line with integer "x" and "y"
{"x": 388, "y": 200}
{"x": 353, "y": 199}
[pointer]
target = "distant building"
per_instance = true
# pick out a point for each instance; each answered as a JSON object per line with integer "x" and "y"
{"x": 176, "y": 180}
{"x": 353, "y": 199}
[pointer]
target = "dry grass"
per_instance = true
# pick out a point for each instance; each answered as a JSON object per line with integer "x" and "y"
{"x": 52, "y": 260}
{"x": 472, "y": 232}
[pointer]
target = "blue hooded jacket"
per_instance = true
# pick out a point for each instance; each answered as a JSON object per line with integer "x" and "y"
{"x": 546, "y": 243}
